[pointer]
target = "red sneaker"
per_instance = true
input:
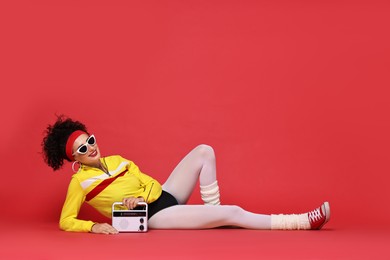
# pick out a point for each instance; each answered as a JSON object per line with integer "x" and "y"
{"x": 319, "y": 216}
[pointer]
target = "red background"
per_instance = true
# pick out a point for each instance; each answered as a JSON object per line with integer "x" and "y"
{"x": 292, "y": 95}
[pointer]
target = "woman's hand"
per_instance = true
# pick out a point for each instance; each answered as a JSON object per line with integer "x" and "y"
{"x": 132, "y": 202}
{"x": 103, "y": 228}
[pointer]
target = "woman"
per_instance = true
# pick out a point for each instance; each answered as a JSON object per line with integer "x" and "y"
{"x": 100, "y": 181}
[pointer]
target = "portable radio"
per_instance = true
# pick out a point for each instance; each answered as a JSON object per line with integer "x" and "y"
{"x": 130, "y": 220}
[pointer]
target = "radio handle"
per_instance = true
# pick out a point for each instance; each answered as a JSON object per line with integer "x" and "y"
{"x": 121, "y": 204}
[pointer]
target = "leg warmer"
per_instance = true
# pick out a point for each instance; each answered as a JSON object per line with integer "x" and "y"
{"x": 210, "y": 194}
{"x": 290, "y": 222}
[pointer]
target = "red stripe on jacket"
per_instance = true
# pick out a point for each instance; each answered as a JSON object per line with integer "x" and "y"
{"x": 101, "y": 186}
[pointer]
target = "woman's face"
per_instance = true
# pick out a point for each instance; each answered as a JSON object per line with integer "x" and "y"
{"x": 87, "y": 144}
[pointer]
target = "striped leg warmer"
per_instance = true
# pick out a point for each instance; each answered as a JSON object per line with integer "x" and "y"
{"x": 210, "y": 194}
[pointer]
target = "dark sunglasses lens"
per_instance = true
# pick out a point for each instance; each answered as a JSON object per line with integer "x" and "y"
{"x": 83, "y": 149}
{"x": 91, "y": 140}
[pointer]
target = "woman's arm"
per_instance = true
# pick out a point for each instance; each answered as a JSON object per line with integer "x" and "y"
{"x": 70, "y": 210}
{"x": 152, "y": 188}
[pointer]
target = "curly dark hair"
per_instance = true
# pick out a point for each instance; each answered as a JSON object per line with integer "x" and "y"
{"x": 54, "y": 142}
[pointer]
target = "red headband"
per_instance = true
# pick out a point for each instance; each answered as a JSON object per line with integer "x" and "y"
{"x": 69, "y": 143}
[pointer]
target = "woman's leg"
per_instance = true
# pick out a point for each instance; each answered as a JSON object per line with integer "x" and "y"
{"x": 202, "y": 217}
{"x": 198, "y": 164}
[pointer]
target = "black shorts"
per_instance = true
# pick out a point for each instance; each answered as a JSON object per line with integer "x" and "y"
{"x": 166, "y": 200}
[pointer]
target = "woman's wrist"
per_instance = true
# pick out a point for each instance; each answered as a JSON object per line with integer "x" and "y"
{"x": 92, "y": 227}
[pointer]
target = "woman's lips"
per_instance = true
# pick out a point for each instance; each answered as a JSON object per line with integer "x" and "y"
{"x": 93, "y": 154}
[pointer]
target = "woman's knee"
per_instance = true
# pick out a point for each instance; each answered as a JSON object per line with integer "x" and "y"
{"x": 233, "y": 214}
{"x": 205, "y": 151}
{"x": 235, "y": 210}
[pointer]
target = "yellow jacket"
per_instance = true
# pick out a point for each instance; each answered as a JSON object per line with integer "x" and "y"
{"x": 132, "y": 183}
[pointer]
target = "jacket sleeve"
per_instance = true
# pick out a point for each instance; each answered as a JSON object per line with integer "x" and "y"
{"x": 152, "y": 188}
{"x": 70, "y": 210}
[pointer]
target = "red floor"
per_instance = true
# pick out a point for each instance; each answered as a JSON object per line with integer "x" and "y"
{"x": 45, "y": 241}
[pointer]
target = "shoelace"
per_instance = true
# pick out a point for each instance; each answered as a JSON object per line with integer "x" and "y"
{"x": 315, "y": 215}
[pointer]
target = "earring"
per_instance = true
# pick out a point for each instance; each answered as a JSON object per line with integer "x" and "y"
{"x": 73, "y": 164}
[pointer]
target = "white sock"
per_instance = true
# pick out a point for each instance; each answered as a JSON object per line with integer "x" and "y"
{"x": 210, "y": 194}
{"x": 290, "y": 221}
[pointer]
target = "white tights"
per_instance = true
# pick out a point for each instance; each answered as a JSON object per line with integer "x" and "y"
{"x": 202, "y": 216}
{"x": 199, "y": 164}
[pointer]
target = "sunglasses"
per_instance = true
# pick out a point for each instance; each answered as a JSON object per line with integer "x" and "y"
{"x": 83, "y": 149}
